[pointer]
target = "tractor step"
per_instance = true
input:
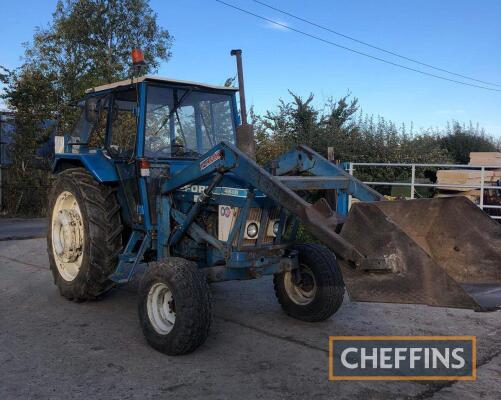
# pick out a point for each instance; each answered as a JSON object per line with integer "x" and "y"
{"x": 129, "y": 260}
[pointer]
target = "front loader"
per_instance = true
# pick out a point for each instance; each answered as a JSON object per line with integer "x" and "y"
{"x": 151, "y": 183}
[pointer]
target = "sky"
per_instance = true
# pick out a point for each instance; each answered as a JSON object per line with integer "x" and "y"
{"x": 458, "y": 35}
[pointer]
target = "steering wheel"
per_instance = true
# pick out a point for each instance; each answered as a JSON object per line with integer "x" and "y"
{"x": 177, "y": 149}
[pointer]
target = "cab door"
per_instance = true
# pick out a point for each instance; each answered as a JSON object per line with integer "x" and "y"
{"x": 121, "y": 147}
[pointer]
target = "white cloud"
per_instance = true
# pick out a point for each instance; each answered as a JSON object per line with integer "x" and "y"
{"x": 281, "y": 27}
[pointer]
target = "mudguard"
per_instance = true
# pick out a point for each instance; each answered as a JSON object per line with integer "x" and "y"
{"x": 101, "y": 167}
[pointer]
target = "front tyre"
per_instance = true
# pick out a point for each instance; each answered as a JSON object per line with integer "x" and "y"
{"x": 316, "y": 291}
{"x": 174, "y": 306}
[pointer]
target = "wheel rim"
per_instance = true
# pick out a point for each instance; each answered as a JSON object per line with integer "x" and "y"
{"x": 304, "y": 292}
{"x": 67, "y": 235}
{"x": 161, "y": 308}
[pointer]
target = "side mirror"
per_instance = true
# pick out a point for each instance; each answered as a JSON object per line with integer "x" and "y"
{"x": 92, "y": 109}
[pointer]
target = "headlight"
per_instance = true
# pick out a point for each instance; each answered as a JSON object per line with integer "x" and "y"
{"x": 252, "y": 230}
{"x": 273, "y": 227}
{"x": 276, "y": 225}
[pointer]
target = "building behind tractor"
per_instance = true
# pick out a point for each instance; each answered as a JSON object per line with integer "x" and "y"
{"x": 159, "y": 178}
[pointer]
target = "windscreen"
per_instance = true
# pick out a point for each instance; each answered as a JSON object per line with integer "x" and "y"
{"x": 186, "y": 123}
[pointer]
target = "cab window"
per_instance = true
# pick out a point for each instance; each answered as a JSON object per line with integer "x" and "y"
{"x": 92, "y": 125}
{"x": 185, "y": 123}
{"x": 123, "y": 124}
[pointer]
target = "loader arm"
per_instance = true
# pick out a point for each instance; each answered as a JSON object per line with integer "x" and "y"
{"x": 318, "y": 218}
{"x": 305, "y": 160}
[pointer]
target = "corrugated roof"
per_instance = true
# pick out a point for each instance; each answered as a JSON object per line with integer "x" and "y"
{"x": 151, "y": 78}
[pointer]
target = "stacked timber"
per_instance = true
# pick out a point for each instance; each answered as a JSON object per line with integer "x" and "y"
{"x": 470, "y": 178}
{"x": 485, "y": 159}
{"x": 467, "y": 177}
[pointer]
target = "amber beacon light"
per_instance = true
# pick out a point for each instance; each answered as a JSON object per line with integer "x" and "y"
{"x": 137, "y": 57}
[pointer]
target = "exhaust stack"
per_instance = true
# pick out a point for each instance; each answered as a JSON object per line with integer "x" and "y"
{"x": 245, "y": 134}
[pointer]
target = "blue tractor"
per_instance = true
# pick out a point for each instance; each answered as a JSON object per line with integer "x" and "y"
{"x": 158, "y": 179}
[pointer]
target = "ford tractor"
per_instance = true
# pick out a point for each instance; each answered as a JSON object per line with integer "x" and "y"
{"x": 158, "y": 181}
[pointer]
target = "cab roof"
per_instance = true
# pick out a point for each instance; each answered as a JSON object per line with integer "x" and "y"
{"x": 157, "y": 79}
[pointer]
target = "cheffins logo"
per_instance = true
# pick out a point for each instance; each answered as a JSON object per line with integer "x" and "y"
{"x": 402, "y": 357}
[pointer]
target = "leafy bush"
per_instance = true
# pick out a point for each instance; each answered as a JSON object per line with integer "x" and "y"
{"x": 354, "y": 136}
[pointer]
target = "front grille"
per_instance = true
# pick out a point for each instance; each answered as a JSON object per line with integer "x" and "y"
{"x": 255, "y": 215}
{"x": 274, "y": 213}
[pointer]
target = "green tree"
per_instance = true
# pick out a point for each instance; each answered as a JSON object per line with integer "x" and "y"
{"x": 293, "y": 123}
{"x": 87, "y": 43}
{"x": 339, "y": 124}
{"x": 353, "y": 135}
{"x": 459, "y": 140}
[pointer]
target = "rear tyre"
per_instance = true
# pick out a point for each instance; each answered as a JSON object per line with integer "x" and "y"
{"x": 317, "y": 291}
{"x": 174, "y": 306}
{"x": 84, "y": 234}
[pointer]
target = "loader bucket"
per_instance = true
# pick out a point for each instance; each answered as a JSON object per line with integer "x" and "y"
{"x": 441, "y": 252}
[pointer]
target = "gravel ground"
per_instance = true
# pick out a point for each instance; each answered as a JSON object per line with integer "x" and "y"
{"x": 51, "y": 348}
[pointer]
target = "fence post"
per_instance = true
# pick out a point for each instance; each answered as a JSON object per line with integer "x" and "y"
{"x": 350, "y": 171}
{"x": 482, "y": 184}
{"x": 331, "y": 195}
{"x": 413, "y": 180}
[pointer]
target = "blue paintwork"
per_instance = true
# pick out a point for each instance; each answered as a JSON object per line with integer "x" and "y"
{"x": 141, "y": 121}
{"x": 236, "y": 115}
{"x": 101, "y": 167}
{"x": 343, "y": 198}
{"x": 342, "y": 203}
{"x": 225, "y": 157}
{"x": 141, "y": 124}
{"x": 129, "y": 260}
{"x": 164, "y": 226}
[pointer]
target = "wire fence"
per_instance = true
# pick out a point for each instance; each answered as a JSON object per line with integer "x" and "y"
{"x": 489, "y": 198}
{"x": 24, "y": 196}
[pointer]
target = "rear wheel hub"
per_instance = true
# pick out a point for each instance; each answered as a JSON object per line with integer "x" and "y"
{"x": 67, "y": 235}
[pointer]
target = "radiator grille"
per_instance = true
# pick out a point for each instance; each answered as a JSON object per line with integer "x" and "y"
{"x": 274, "y": 213}
{"x": 255, "y": 215}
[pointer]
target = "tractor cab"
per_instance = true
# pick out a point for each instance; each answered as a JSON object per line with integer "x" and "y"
{"x": 157, "y": 119}
{"x": 147, "y": 127}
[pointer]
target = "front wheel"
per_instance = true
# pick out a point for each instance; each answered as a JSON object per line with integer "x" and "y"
{"x": 314, "y": 292}
{"x": 174, "y": 306}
